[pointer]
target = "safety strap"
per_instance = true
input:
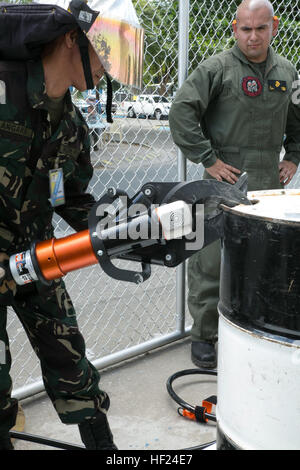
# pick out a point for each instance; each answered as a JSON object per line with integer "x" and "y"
{"x": 83, "y": 44}
{"x": 108, "y": 100}
{"x": 199, "y": 413}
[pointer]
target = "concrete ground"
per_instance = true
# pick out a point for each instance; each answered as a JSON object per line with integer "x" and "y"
{"x": 142, "y": 415}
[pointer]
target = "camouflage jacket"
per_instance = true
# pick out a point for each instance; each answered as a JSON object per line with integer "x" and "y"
{"x": 29, "y": 149}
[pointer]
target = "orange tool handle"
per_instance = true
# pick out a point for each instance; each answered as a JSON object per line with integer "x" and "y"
{"x": 57, "y": 257}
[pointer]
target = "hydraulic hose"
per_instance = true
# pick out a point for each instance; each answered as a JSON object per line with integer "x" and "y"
{"x": 198, "y": 413}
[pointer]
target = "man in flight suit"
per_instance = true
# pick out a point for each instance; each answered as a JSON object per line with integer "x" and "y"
{"x": 233, "y": 114}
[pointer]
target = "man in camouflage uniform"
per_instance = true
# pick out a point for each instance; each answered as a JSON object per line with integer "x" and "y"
{"x": 231, "y": 115}
{"x": 41, "y": 130}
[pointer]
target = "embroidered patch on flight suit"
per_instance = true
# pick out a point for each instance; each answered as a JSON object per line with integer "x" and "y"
{"x": 252, "y": 86}
{"x": 2, "y": 92}
{"x": 278, "y": 85}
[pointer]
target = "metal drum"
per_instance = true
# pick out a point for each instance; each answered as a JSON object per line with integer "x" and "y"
{"x": 259, "y": 327}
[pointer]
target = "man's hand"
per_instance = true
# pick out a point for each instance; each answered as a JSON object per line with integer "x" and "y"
{"x": 223, "y": 172}
{"x": 286, "y": 171}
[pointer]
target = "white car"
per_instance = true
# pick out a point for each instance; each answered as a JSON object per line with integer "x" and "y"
{"x": 155, "y": 106}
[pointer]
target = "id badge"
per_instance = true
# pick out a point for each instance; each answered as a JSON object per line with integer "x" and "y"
{"x": 57, "y": 192}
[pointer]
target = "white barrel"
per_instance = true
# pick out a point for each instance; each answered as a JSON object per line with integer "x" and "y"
{"x": 259, "y": 326}
{"x": 258, "y": 390}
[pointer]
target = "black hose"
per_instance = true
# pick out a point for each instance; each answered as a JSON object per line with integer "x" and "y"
{"x": 187, "y": 406}
{"x": 182, "y": 373}
{"x": 45, "y": 441}
{"x": 200, "y": 446}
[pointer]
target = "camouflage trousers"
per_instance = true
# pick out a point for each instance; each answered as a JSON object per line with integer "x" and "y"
{"x": 71, "y": 381}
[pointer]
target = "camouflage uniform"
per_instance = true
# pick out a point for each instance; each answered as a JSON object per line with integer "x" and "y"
{"x": 28, "y": 150}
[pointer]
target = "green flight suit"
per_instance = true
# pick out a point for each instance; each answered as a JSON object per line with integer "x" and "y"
{"x": 29, "y": 148}
{"x": 227, "y": 109}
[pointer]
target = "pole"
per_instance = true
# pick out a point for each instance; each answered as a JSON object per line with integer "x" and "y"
{"x": 183, "y": 48}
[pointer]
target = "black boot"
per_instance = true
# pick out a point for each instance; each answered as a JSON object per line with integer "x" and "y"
{"x": 6, "y": 444}
{"x": 204, "y": 354}
{"x": 96, "y": 434}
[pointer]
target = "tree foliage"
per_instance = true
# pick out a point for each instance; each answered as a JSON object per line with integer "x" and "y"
{"x": 210, "y": 32}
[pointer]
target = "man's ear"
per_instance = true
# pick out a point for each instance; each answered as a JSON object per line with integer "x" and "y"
{"x": 71, "y": 38}
{"x": 234, "y": 27}
{"x": 275, "y": 25}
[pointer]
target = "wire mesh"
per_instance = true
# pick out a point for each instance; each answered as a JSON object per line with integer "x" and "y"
{"x": 113, "y": 315}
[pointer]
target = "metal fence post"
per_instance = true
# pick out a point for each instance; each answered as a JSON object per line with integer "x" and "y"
{"x": 183, "y": 48}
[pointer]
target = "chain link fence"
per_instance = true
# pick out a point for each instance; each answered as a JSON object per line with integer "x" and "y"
{"x": 117, "y": 319}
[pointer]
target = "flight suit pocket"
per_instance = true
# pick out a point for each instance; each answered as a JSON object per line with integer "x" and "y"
{"x": 231, "y": 156}
{"x": 279, "y": 101}
{"x": 278, "y": 125}
{"x": 228, "y": 91}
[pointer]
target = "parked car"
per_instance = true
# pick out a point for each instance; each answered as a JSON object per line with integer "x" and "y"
{"x": 102, "y": 103}
{"x": 95, "y": 121}
{"x": 98, "y": 105}
{"x": 154, "y": 106}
